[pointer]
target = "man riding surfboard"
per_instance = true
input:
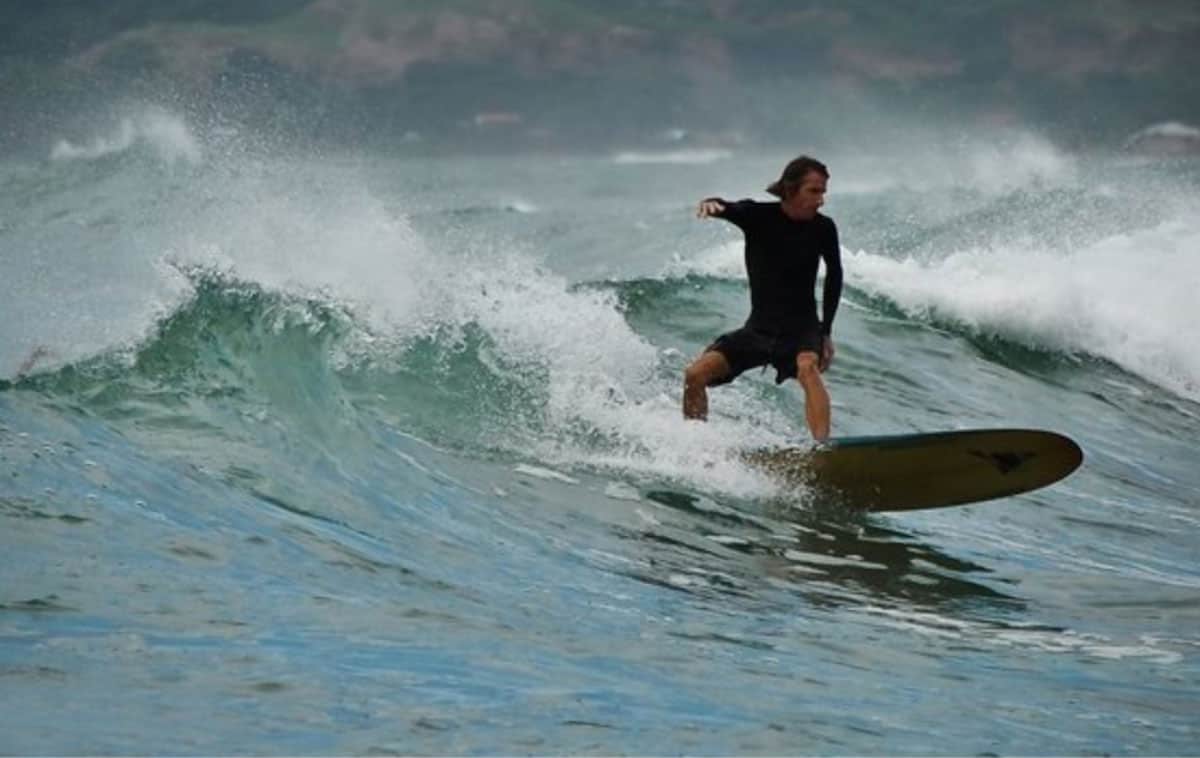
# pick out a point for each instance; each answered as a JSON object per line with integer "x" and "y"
{"x": 785, "y": 242}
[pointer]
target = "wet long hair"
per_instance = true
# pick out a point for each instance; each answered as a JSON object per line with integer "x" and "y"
{"x": 794, "y": 173}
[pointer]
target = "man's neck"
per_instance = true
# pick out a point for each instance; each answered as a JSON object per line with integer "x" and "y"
{"x": 796, "y": 214}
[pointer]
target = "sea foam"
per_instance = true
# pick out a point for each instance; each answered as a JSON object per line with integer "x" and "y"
{"x": 166, "y": 133}
{"x": 1128, "y": 298}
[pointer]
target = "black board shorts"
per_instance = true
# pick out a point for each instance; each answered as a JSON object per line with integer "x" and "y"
{"x": 747, "y": 348}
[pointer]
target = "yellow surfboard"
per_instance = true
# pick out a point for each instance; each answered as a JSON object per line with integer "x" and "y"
{"x": 913, "y": 471}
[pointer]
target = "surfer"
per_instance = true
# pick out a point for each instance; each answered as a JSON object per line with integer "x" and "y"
{"x": 785, "y": 241}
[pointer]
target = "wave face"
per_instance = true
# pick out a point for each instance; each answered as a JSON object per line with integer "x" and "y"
{"x": 371, "y": 453}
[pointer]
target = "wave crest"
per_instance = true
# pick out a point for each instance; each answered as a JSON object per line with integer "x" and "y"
{"x": 1128, "y": 298}
{"x": 166, "y": 134}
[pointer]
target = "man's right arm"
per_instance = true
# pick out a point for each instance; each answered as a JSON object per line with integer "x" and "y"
{"x": 715, "y": 207}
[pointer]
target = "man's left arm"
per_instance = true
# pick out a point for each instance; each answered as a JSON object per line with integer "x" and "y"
{"x": 831, "y": 295}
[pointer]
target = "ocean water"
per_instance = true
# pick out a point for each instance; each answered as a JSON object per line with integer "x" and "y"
{"x": 316, "y": 452}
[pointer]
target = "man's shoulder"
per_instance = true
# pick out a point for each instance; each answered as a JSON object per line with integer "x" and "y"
{"x": 755, "y": 205}
{"x": 827, "y": 226}
{"x": 759, "y": 209}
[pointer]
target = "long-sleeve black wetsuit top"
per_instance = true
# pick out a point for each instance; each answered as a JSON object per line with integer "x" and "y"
{"x": 781, "y": 261}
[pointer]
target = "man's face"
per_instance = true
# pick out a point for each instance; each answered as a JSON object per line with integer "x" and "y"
{"x": 808, "y": 198}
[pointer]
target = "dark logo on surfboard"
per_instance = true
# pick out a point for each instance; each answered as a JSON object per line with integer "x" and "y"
{"x": 1006, "y": 462}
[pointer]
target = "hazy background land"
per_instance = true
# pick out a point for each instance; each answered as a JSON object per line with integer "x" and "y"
{"x": 569, "y": 74}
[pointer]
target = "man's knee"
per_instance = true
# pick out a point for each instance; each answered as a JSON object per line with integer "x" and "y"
{"x": 695, "y": 375}
{"x": 807, "y": 368}
{"x": 705, "y": 370}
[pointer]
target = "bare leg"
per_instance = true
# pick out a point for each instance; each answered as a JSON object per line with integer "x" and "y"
{"x": 706, "y": 369}
{"x": 816, "y": 397}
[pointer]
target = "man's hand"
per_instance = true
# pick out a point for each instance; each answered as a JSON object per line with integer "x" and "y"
{"x": 709, "y": 208}
{"x": 827, "y": 351}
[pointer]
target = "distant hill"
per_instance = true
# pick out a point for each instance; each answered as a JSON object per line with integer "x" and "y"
{"x": 564, "y": 72}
